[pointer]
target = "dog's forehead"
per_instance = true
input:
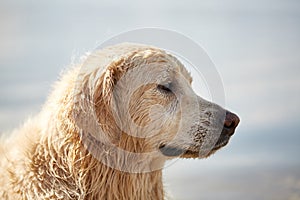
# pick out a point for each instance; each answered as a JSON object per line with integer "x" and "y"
{"x": 163, "y": 61}
{"x": 176, "y": 69}
{"x": 168, "y": 63}
{"x": 170, "y": 68}
{"x": 100, "y": 59}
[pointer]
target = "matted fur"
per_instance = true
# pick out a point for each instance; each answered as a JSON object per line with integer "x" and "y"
{"x": 47, "y": 158}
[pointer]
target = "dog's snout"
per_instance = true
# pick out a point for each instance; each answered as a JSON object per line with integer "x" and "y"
{"x": 231, "y": 122}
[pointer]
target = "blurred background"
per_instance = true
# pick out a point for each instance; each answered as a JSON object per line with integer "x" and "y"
{"x": 255, "y": 46}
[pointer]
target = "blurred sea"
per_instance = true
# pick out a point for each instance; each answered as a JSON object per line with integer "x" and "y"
{"x": 255, "y": 46}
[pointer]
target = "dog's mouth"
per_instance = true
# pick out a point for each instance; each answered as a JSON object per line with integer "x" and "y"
{"x": 172, "y": 151}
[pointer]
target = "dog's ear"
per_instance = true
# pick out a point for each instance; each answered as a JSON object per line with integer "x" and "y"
{"x": 107, "y": 81}
{"x": 92, "y": 110}
{"x": 103, "y": 95}
{"x": 95, "y": 112}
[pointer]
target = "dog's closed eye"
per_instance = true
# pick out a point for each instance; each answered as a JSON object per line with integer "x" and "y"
{"x": 164, "y": 88}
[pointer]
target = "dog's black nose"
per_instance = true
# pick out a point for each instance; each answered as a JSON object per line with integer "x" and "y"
{"x": 231, "y": 122}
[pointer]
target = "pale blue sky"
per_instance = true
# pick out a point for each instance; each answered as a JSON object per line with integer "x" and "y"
{"x": 255, "y": 46}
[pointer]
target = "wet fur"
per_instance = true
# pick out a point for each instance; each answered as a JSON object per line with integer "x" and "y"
{"x": 46, "y": 157}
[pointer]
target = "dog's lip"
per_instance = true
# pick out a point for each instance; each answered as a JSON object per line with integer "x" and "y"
{"x": 170, "y": 151}
{"x": 220, "y": 143}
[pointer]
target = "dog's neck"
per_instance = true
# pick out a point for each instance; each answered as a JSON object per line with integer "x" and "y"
{"x": 107, "y": 183}
{"x": 60, "y": 165}
{"x": 81, "y": 176}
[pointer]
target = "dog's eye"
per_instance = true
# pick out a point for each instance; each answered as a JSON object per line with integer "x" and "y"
{"x": 164, "y": 88}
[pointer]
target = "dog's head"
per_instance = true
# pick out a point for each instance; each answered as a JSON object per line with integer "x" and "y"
{"x": 142, "y": 99}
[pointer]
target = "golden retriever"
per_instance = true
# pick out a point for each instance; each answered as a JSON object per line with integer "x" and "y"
{"x": 109, "y": 126}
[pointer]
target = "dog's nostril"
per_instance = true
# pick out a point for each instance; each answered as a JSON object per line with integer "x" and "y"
{"x": 231, "y": 120}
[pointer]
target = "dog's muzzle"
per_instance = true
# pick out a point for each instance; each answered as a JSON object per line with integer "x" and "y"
{"x": 231, "y": 121}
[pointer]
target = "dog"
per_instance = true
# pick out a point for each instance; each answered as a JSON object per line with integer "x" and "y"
{"x": 109, "y": 126}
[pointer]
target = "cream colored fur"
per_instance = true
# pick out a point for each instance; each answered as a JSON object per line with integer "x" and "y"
{"x": 68, "y": 150}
